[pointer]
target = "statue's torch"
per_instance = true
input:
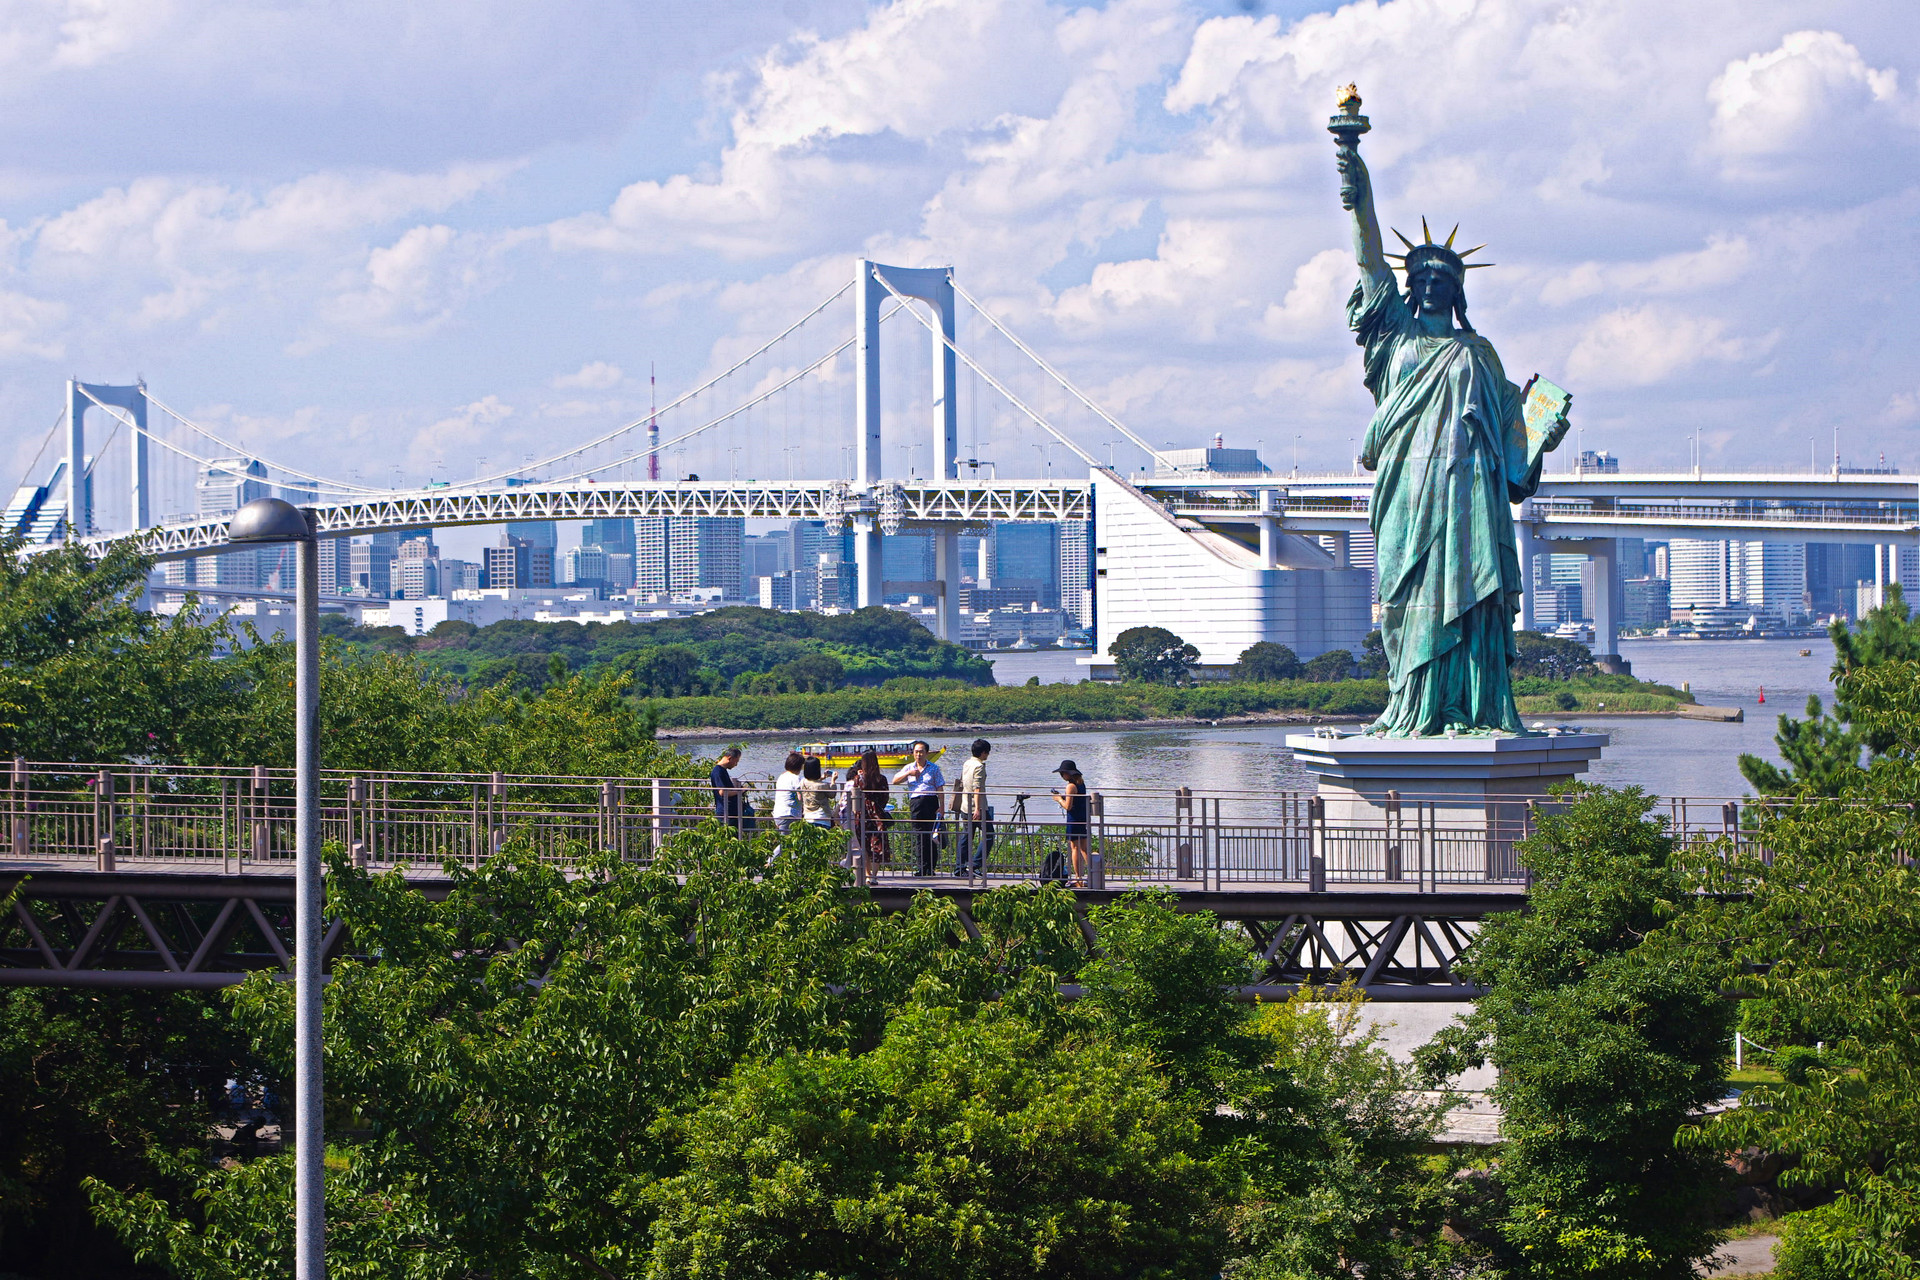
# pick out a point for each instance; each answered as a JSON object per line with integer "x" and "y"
{"x": 1346, "y": 128}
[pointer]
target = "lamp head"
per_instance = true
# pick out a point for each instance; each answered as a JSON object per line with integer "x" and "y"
{"x": 268, "y": 520}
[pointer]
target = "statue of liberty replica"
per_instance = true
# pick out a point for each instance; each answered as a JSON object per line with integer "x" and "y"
{"x": 1452, "y": 443}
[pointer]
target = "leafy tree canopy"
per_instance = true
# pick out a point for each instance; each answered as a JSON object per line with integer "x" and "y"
{"x": 1823, "y": 752}
{"x": 1609, "y": 1034}
{"x": 1554, "y": 657}
{"x": 1152, "y": 655}
{"x": 870, "y": 645}
{"x": 86, "y": 675}
{"x": 730, "y": 1066}
{"x": 1266, "y": 660}
{"x": 1334, "y": 664}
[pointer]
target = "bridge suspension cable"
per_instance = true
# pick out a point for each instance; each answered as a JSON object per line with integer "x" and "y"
{"x": 734, "y": 412}
{"x": 991, "y": 381}
{"x": 1052, "y": 372}
{"x": 841, "y": 292}
{"x": 279, "y": 468}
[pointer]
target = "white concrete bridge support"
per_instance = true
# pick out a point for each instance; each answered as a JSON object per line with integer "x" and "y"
{"x": 947, "y": 568}
{"x": 869, "y": 589}
{"x": 80, "y": 398}
{"x": 1529, "y": 547}
{"x": 874, "y": 284}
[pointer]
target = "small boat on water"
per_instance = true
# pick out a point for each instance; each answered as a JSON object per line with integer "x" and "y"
{"x": 1806, "y": 653}
{"x": 844, "y": 755}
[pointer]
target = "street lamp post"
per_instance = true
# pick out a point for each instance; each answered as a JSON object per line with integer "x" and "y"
{"x": 269, "y": 520}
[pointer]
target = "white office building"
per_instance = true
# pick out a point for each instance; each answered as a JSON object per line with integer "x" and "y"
{"x": 1766, "y": 577}
{"x": 1213, "y": 591}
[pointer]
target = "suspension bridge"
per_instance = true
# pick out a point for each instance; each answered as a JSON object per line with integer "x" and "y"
{"x": 1225, "y": 559}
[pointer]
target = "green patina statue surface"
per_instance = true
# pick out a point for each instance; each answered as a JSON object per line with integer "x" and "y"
{"x": 1451, "y": 448}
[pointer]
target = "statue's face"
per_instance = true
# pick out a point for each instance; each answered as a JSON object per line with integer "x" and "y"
{"x": 1433, "y": 293}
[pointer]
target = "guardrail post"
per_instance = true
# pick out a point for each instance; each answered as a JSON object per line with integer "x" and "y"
{"x": 103, "y": 815}
{"x": 662, "y": 813}
{"x": 260, "y": 846}
{"x": 1097, "y": 858}
{"x": 1395, "y": 829}
{"x": 1183, "y": 833}
{"x": 360, "y": 858}
{"x": 22, "y": 798}
{"x": 1730, "y": 821}
{"x": 496, "y": 794}
{"x": 1317, "y": 845}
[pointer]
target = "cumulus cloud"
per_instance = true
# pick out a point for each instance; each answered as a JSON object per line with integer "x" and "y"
{"x": 1813, "y": 90}
{"x": 1642, "y": 346}
{"x": 595, "y": 376}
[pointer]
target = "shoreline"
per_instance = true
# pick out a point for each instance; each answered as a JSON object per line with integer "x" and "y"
{"x": 882, "y": 728}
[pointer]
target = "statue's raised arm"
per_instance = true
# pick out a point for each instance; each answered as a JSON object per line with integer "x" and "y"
{"x": 1356, "y": 189}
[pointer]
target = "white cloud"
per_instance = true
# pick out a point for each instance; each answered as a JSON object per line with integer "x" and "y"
{"x": 1643, "y": 346}
{"x": 468, "y": 432}
{"x": 1804, "y": 92}
{"x": 595, "y": 376}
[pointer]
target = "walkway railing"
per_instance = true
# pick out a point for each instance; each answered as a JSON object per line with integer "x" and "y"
{"x": 129, "y": 817}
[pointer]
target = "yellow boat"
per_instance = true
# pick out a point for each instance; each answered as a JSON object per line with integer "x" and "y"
{"x": 844, "y": 755}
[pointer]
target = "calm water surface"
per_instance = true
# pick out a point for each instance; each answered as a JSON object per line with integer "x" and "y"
{"x": 1666, "y": 756}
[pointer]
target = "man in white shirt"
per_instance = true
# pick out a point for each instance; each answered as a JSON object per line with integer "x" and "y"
{"x": 924, "y": 783}
{"x": 976, "y": 815}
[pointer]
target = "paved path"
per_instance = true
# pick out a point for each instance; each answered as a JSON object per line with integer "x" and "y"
{"x": 1747, "y": 1256}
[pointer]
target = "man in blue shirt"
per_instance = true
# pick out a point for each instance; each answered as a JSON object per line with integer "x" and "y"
{"x": 924, "y": 785}
{"x": 727, "y": 793}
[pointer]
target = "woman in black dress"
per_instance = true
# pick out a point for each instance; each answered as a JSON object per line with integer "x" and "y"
{"x": 1074, "y": 801}
{"x": 872, "y": 789}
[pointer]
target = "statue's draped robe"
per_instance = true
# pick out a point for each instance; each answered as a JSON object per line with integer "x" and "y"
{"x": 1443, "y": 528}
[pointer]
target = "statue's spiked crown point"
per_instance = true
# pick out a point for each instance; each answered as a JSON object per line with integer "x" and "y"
{"x": 1441, "y": 257}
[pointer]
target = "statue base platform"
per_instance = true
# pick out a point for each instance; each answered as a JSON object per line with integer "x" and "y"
{"x": 1480, "y": 791}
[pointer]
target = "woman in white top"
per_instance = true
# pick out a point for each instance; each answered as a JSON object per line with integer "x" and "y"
{"x": 816, "y": 794}
{"x": 786, "y": 793}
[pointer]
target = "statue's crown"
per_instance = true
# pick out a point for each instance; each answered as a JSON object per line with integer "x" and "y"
{"x": 1439, "y": 257}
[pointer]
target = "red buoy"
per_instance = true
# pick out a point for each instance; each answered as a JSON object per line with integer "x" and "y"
{"x": 1763, "y": 693}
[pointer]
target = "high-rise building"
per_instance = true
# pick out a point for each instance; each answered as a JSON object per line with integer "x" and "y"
{"x": 1766, "y": 577}
{"x": 833, "y": 582}
{"x": 372, "y": 565}
{"x": 584, "y": 566}
{"x": 1644, "y": 602}
{"x": 776, "y": 590}
{"x": 536, "y": 533}
{"x": 460, "y": 575}
{"x": 608, "y": 535}
{"x": 336, "y": 566}
{"x": 765, "y": 554}
{"x": 1029, "y": 553}
{"x": 1834, "y": 570}
{"x": 222, "y": 487}
{"x": 518, "y": 563}
{"x": 1076, "y": 581}
{"x": 620, "y": 570}
{"x": 416, "y": 577}
{"x": 907, "y": 557}
{"x": 683, "y": 553}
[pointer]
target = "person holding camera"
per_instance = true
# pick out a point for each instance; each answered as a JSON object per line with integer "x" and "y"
{"x": 924, "y": 783}
{"x": 1074, "y": 800}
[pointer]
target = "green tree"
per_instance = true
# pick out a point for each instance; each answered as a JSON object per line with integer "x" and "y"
{"x": 1334, "y": 664}
{"x": 1554, "y": 657}
{"x": 1152, "y": 655}
{"x": 1823, "y": 752}
{"x": 87, "y": 675}
{"x": 90, "y": 1083}
{"x": 1373, "y": 656}
{"x": 1606, "y": 1023}
{"x": 665, "y": 670}
{"x": 1826, "y": 928}
{"x": 1266, "y": 660}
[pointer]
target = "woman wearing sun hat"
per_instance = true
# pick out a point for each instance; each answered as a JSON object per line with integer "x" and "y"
{"x": 1074, "y": 801}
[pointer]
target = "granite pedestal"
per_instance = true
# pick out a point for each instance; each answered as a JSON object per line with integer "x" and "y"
{"x": 1465, "y": 791}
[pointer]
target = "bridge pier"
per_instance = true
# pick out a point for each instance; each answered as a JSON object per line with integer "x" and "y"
{"x": 946, "y": 567}
{"x": 1606, "y": 607}
{"x": 869, "y": 587}
{"x": 1529, "y": 546}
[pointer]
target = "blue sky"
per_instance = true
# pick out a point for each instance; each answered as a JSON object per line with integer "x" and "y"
{"x": 389, "y": 241}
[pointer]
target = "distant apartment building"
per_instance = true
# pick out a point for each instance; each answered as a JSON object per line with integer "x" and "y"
{"x": 1644, "y": 602}
{"x": 686, "y": 553}
{"x": 1764, "y": 577}
{"x": 517, "y": 562}
{"x": 1029, "y": 554}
